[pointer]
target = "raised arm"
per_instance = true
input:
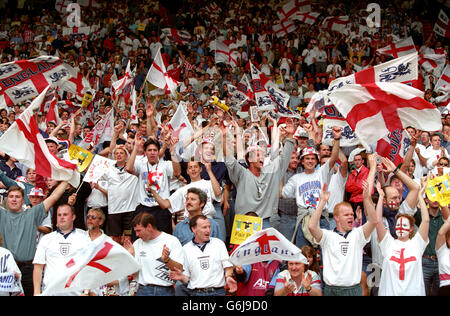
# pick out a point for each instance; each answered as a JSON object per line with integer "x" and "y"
{"x": 412, "y": 186}
{"x": 369, "y": 207}
{"x": 313, "y": 226}
{"x": 440, "y": 239}
{"x": 55, "y": 196}
{"x": 425, "y": 224}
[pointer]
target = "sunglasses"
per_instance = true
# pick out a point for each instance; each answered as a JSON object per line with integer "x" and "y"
{"x": 443, "y": 164}
{"x": 92, "y": 216}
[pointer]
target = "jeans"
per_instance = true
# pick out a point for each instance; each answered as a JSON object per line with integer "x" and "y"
{"x": 354, "y": 290}
{"x": 181, "y": 289}
{"x": 430, "y": 276}
{"x": 209, "y": 292}
{"x": 287, "y": 225}
{"x": 154, "y": 290}
{"x": 218, "y": 217}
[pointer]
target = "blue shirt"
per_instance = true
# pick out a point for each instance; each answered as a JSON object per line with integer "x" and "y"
{"x": 184, "y": 233}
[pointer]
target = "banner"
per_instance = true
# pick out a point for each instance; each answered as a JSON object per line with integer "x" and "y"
{"x": 267, "y": 244}
{"x": 83, "y": 156}
{"x": 438, "y": 189}
{"x": 98, "y": 167}
{"x": 243, "y": 227}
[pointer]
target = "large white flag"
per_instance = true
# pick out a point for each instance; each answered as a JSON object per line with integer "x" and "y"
{"x": 224, "y": 54}
{"x": 267, "y": 244}
{"x": 158, "y": 76}
{"x": 104, "y": 261}
{"x": 24, "y": 142}
{"x": 180, "y": 125}
{"x": 443, "y": 83}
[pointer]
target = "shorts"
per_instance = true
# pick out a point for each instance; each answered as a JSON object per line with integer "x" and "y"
{"x": 117, "y": 224}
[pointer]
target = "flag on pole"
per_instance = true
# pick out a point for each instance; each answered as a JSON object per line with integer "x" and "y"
{"x": 123, "y": 86}
{"x": 307, "y": 17}
{"x": 102, "y": 262}
{"x": 432, "y": 63}
{"x": 159, "y": 77}
{"x": 336, "y": 23}
{"x": 289, "y": 10}
{"x": 264, "y": 245}
{"x": 33, "y": 151}
{"x": 180, "y": 125}
{"x": 101, "y": 132}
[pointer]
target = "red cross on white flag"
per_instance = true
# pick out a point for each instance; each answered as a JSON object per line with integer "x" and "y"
{"x": 159, "y": 77}
{"x": 399, "y": 48}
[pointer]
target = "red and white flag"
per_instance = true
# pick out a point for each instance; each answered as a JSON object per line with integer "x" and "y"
{"x": 284, "y": 28}
{"x": 33, "y": 151}
{"x": 291, "y": 8}
{"x": 442, "y": 26}
{"x": 123, "y": 86}
{"x": 432, "y": 63}
{"x": 240, "y": 94}
{"x": 180, "y": 125}
{"x": 443, "y": 83}
{"x": 88, "y": 3}
{"x": 52, "y": 113}
{"x": 376, "y": 109}
{"x": 101, "y": 132}
{"x": 442, "y": 100}
{"x": 336, "y": 23}
{"x": 77, "y": 85}
{"x": 224, "y": 54}
{"x": 159, "y": 77}
{"x": 82, "y": 30}
{"x": 268, "y": 96}
{"x": 264, "y": 245}
{"x": 24, "y": 79}
{"x": 307, "y": 17}
{"x": 403, "y": 69}
{"x": 61, "y": 5}
{"x": 102, "y": 262}
{"x": 398, "y": 49}
{"x": 394, "y": 146}
{"x": 133, "y": 111}
{"x": 177, "y": 36}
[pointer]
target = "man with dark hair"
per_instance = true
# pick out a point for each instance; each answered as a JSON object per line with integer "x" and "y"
{"x": 157, "y": 253}
{"x": 56, "y": 249}
{"x": 155, "y": 173}
{"x": 19, "y": 229}
{"x": 207, "y": 268}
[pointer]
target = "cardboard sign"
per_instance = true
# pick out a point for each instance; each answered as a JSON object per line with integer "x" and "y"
{"x": 82, "y": 156}
{"x": 243, "y": 227}
{"x": 438, "y": 189}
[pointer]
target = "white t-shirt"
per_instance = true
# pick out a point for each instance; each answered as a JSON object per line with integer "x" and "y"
{"x": 123, "y": 194}
{"x": 148, "y": 255}
{"x": 443, "y": 255}
{"x": 55, "y": 250}
{"x": 402, "y": 273}
{"x": 206, "y": 268}
{"x": 178, "y": 198}
{"x": 342, "y": 257}
{"x": 162, "y": 172}
{"x": 9, "y": 265}
{"x": 306, "y": 188}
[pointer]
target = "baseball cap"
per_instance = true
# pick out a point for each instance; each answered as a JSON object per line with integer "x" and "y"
{"x": 52, "y": 139}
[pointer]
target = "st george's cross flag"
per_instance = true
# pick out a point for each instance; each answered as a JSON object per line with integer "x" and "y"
{"x": 24, "y": 79}
{"x": 179, "y": 123}
{"x": 376, "y": 109}
{"x": 308, "y": 17}
{"x": 177, "y": 36}
{"x": 336, "y": 23}
{"x": 432, "y": 63}
{"x": 290, "y": 9}
{"x": 224, "y": 54}
{"x": 264, "y": 245}
{"x": 399, "y": 48}
{"x": 77, "y": 85}
{"x": 284, "y": 28}
{"x": 98, "y": 264}
{"x": 33, "y": 151}
{"x": 159, "y": 77}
